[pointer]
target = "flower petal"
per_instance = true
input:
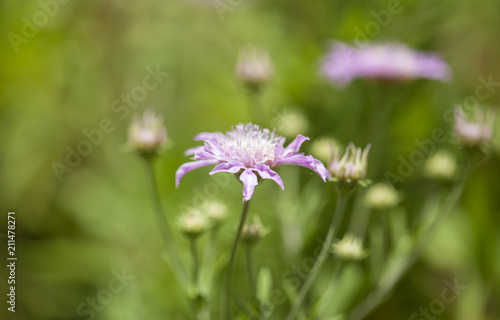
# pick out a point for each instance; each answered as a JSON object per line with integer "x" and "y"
{"x": 189, "y": 166}
{"x": 231, "y": 166}
{"x": 265, "y": 172}
{"x": 294, "y": 146}
{"x": 192, "y": 151}
{"x": 305, "y": 161}
{"x": 249, "y": 180}
{"x": 209, "y": 136}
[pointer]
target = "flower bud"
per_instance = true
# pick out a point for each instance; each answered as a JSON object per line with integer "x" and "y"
{"x": 193, "y": 223}
{"x": 291, "y": 122}
{"x": 216, "y": 211}
{"x": 147, "y": 134}
{"x": 253, "y": 232}
{"x": 254, "y": 67}
{"x": 350, "y": 248}
{"x": 442, "y": 165}
{"x": 475, "y": 130}
{"x": 381, "y": 197}
{"x": 350, "y": 169}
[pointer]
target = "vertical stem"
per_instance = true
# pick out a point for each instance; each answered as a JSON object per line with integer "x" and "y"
{"x": 226, "y": 306}
{"x": 196, "y": 265}
{"x": 158, "y": 208}
{"x": 162, "y": 221}
{"x": 251, "y": 279}
{"x": 335, "y": 225}
{"x": 193, "y": 242}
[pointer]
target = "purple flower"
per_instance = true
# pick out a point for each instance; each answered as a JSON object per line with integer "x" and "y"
{"x": 475, "y": 129}
{"x": 248, "y": 150}
{"x": 383, "y": 62}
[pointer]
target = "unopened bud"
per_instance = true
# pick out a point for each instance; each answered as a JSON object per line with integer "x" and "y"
{"x": 193, "y": 223}
{"x": 441, "y": 165}
{"x": 350, "y": 248}
{"x": 254, "y": 67}
{"x": 381, "y": 197}
{"x": 147, "y": 134}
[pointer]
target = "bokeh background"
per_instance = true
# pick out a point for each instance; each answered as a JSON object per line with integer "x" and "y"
{"x": 72, "y": 234}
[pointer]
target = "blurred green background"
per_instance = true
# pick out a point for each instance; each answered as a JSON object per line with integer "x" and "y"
{"x": 64, "y": 78}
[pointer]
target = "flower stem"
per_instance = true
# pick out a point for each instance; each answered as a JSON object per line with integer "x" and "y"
{"x": 226, "y": 308}
{"x": 251, "y": 279}
{"x": 162, "y": 221}
{"x": 196, "y": 264}
{"x": 335, "y": 225}
{"x": 385, "y": 286}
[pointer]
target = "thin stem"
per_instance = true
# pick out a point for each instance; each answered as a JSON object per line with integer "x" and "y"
{"x": 196, "y": 264}
{"x": 226, "y": 308}
{"x": 162, "y": 221}
{"x": 336, "y": 220}
{"x": 251, "y": 279}
{"x": 193, "y": 242}
{"x": 377, "y": 295}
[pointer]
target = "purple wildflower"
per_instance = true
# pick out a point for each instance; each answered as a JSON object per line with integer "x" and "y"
{"x": 476, "y": 129}
{"x": 383, "y": 62}
{"x": 246, "y": 150}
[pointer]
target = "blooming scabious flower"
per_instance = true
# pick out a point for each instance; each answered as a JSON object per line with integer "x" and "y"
{"x": 254, "y": 67}
{"x": 475, "y": 130}
{"x": 383, "y": 62}
{"x": 147, "y": 134}
{"x": 248, "y": 150}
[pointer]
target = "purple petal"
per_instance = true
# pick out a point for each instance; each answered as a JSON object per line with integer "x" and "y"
{"x": 279, "y": 151}
{"x": 305, "y": 161}
{"x": 249, "y": 180}
{"x": 186, "y": 167}
{"x": 209, "y": 136}
{"x": 294, "y": 146}
{"x": 192, "y": 151}
{"x": 231, "y": 166}
{"x": 265, "y": 172}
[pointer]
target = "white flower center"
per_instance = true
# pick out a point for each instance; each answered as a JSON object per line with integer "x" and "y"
{"x": 251, "y": 145}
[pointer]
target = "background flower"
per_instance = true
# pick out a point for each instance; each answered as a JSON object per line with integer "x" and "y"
{"x": 383, "y": 62}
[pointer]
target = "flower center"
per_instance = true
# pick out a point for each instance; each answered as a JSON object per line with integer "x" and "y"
{"x": 251, "y": 145}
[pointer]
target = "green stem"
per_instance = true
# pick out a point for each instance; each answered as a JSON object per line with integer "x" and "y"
{"x": 251, "y": 279}
{"x": 162, "y": 221}
{"x": 335, "y": 225}
{"x": 377, "y": 295}
{"x": 226, "y": 308}
{"x": 196, "y": 264}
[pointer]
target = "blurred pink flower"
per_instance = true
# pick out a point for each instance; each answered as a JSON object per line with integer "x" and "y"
{"x": 383, "y": 62}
